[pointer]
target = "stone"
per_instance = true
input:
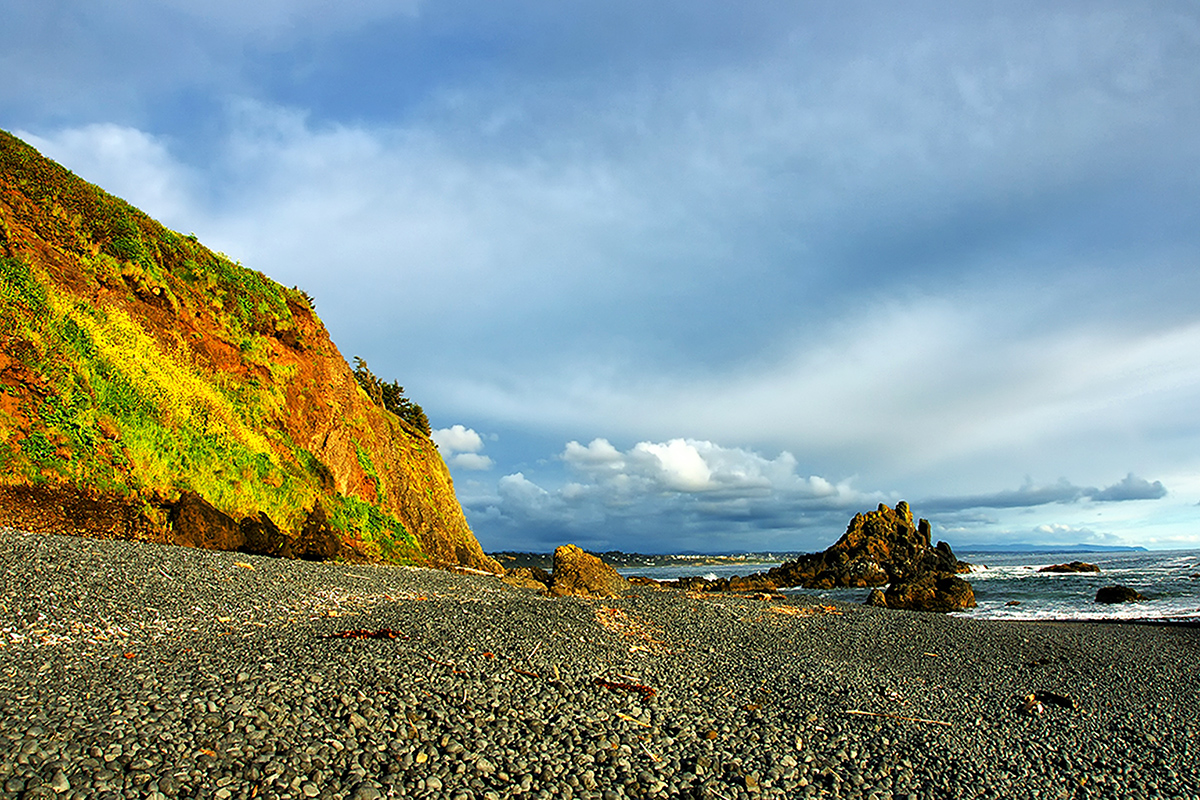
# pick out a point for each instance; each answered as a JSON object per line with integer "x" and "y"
{"x": 1074, "y": 566}
{"x": 580, "y": 573}
{"x": 366, "y": 791}
{"x": 1119, "y": 594}
{"x": 528, "y": 578}
{"x": 929, "y": 591}
{"x": 197, "y": 523}
{"x": 59, "y": 782}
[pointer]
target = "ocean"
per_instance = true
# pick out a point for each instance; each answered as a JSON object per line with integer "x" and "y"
{"x": 1170, "y": 579}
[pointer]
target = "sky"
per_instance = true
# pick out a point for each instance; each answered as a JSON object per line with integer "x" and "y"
{"x": 698, "y": 276}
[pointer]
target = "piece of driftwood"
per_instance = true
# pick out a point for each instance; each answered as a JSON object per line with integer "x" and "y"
{"x": 858, "y": 713}
{"x": 362, "y": 633}
{"x": 645, "y": 691}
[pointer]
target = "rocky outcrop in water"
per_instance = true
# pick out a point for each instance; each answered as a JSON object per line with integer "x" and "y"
{"x": 929, "y": 591}
{"x": 1119, "y": 594}
{"x": 878, "y": 547}
{"x": 1074, "y": 566}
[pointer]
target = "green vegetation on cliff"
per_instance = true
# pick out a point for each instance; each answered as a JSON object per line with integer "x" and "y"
{"x": 137, "y": 365}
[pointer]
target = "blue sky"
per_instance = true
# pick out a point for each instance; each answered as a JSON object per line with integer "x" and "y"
{"x": 698, "y": 275}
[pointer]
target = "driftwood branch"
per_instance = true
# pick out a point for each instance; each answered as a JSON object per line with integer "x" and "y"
{"x": 858, "y": 713}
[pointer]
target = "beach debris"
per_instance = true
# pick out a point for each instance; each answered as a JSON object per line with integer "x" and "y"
{"x": 362, "y": 633}
{"x": 645, "y": 691}
{"x": 857, "y": 713}
{"x": 1032, "y": 706}
{"x": 1013, "y": 603}
{"x": 806, "y": 611}
{"x": 1035, "y": 703}
{"x": 616, "y": 621}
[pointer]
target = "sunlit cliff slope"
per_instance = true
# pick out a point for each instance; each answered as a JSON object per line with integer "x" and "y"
{"x": 153, "y": 389}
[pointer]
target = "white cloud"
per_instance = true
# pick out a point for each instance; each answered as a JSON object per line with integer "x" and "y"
{"x": 128, "y": 162}
{"x": 472, "y": 461}
{"x": 457, "y": 439}
{"x": 460, "y": 447}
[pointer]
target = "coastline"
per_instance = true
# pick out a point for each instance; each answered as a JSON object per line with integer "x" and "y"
{"x": 170, "y": 672}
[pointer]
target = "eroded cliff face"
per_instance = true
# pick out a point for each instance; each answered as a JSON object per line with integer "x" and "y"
{"x": 141, "y": 372}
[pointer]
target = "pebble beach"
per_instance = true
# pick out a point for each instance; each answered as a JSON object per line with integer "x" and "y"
{"x": 131, "y": 670}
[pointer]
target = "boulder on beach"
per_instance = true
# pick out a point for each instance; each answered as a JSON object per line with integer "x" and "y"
{"x": 929, "y": 591}
{"x": 580, "y": 573}
{"x": 528, "y": 578}
{"x": 1119, "y": 594}
{"x": 1074, "y": 566}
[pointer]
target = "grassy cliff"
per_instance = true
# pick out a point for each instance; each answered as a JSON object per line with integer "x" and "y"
{"x": 141, "y": 372}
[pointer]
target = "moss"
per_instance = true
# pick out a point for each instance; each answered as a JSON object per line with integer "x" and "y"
{"x": 384, "y": 535}
{"x": 368, "y": 466}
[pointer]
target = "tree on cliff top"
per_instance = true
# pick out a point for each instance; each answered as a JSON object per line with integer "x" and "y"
{"x": 390, "y": 397}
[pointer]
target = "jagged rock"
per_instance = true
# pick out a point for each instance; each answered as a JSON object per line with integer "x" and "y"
{"x": 1074, "y": 566}
{"x": 878, "y": 547}
{"x": 929, "y": 591}
{"x": 580, "y": 573}
{"x": 317, "y": 541}
{"x": 197, "y": 523}
{"x": 1119, "y": 594}
{"x": 528, "y": 578}
{"x": 757, "y": 582}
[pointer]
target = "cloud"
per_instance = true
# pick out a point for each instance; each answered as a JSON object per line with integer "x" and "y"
{"x": 1030, "y": 495}
{"x": 460, "y": 447}
{"x": 679, "y": 494}
{"x": 1131, "y": 488}
{"x": 127, "y": 161}
{"x": 457, "y": 438}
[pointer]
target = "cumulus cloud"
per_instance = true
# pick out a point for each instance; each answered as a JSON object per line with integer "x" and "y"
{"x": 461, "y": 447}
{"x": 678, "y": 494}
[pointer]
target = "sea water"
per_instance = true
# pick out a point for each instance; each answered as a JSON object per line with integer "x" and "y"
{"x": 1011, "y": 585}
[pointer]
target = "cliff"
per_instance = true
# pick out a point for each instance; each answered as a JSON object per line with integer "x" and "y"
{"x": 153, "y": 389}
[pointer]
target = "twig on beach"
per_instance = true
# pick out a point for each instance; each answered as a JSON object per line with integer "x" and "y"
{"x": 628, "y": 718}
{"x": 645, "y": 691}
{"x": 858, "y": 713}
{"x": 652, "y": 755}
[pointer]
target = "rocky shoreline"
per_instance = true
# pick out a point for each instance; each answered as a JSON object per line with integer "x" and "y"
{"x": 138, "y": 670}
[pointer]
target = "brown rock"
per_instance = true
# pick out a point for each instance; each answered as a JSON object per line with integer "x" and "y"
{"x": 1119, "y": 594}
{"x": 528, "y": 578}
{"x": 878, "y": 547}
{"x": 580, "y": 573}
{"x": 1074, "y": 566}
{"x": 197, "y": 523}
{"x": 930, "y": 591}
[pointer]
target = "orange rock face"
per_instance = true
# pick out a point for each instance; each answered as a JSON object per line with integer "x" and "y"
{"x": 579, "y": 573}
